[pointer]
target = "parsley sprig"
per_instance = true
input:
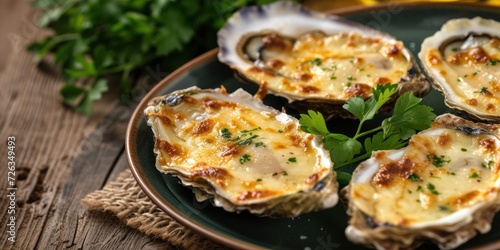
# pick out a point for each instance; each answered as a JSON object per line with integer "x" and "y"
{"x": 408, "y": 117}
{"x": 93, "y": 40}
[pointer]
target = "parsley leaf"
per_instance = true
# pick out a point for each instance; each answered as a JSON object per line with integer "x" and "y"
{"x": 408, "y": 117}
{"x": 342, "y": 148}
{"x": 366, "y": 110}
{"x": 313, "y": 123}
{"x": 343, "y": 178}
{"x": 91, "y": 40}
{"x": 379, "y": 142}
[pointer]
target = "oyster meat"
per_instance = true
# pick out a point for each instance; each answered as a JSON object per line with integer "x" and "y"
{"x": 314, "y": 60}
{"x": 463, "y": 60}
{"x": 241, "y": 154}
{"x": 442, "y": 188}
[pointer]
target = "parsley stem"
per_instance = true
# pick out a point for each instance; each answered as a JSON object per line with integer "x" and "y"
{"x": 363, "y": 157}
{"x": 356, "y": 159}
{"x": 359, "y": 129}
{"x": 358, "y": 135}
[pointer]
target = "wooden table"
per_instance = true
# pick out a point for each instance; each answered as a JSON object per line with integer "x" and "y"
{"x": 60, "y": 155}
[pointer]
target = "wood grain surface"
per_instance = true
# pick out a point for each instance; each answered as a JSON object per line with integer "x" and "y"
{"x": 61, "y": 156}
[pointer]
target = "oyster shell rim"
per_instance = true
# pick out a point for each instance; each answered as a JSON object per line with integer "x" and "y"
{"x": 436, "y": 82}
{"x": 312, "y": 200}
{"x": 477, "y": 219}
{"x": 132, "y": 130}
{"x": 414, "y": 80}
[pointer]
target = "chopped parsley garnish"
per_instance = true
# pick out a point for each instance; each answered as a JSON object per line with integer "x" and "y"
{"x": 483, "y": 90}
{"x": 349, "y": 78}
{"x": 409, "y": 191}
{"x": 419, "y": 188}
{"x": 454, "y": 49}
{"x": 490, "y": 163}
{"x": 333, "y": 77}
{"x": 246, "y": 141}
{"x": 280, "y": 130}
{"x": 475, "y": 73}
{"x": 244, "y": 158}
{"x": 316, "y": 61}
{"x": 492, "y": 62}
{"x": 437, "y": 161}
{"x": 463, "y": 149}
{"x": 474, "y": 175}
{"x": 249, "y": 131}
{"x": 292, "y": 159}
{"x": 259, "y": 180}
{"x": 225, "y": 133}
{"x": 413, "y": 177}
{"x": 432, "y": 189}
{"x": 284, "y": 173}
{"x": 443, "y": 208}
{"x": 246, "y": 138}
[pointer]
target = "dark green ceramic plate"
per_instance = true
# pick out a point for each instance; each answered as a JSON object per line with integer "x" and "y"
{"x": 410, "y": 23}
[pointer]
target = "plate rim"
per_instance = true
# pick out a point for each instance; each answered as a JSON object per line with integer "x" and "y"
{"x": 137, "y": 115}
{"x": 152, "y": 193}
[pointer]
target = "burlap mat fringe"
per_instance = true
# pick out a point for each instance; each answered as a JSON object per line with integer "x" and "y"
{"x": 125, "y": 199}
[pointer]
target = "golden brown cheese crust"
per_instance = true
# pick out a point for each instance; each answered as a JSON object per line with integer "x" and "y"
{"x": 472, "y": 74}
{"x": 246, "y": 154}
{"x": 337, "y": 67}
{"x": 439, "y": 173}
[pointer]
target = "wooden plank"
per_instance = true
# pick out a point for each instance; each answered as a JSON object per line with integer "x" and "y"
{"x": 17, "y": 28}
{"x": 88, "y": 172}
{"x": 58, "y": 161}
{"x": 120, "y": 166}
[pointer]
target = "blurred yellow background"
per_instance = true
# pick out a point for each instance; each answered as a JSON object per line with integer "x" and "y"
{"x": 19, "y": 16}
{"x": 324, "y": 5}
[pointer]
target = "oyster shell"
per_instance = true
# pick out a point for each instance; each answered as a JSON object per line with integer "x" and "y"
{"x": 442, "y": 188}
{"x": 314, "y": 60}
{"x": 241, "y": 154}
{"x": 463, "y": 60}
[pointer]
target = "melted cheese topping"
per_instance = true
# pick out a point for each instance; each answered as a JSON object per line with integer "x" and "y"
{"x": 440, "y": 172}
{"x": 333, "y": 67}
{"x": 247, "y": 154}
{"x": 472, "y": 75}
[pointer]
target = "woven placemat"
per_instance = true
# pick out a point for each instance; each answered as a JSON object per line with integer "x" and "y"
{"x": 125, "y": 199}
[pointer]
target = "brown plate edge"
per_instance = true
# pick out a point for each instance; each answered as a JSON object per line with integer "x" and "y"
{"x": 131, "y": 151}
{"x": 145, "y": 185}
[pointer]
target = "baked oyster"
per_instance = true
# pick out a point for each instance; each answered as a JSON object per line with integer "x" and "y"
{"x": 442, "y": 188}
{"x": 241, "y": 154}
{"x": 314, "y": 60}
{"x": 463, "y": 60}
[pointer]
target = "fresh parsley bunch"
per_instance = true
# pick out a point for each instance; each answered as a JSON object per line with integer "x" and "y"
{"x": 93, "y": 39}
{"x": 407, "y": 117}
